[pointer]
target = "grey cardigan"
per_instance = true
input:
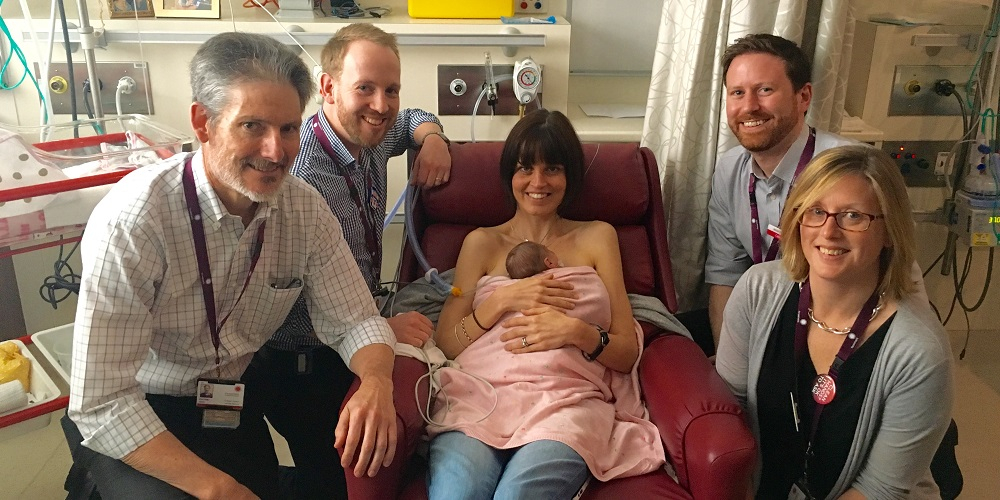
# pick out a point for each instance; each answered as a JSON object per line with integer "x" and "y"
{"x": 906, "y": 409}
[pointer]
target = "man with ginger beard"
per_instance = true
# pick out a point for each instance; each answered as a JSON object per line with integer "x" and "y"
{"x": 768, "y": 91}
{"x": 190, "y": 265}
{"x": 345, "y": 150}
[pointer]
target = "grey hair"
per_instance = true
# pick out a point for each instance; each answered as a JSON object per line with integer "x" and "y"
{"x": 230, "y": 58}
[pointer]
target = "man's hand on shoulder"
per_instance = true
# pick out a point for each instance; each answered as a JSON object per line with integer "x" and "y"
{"x": 411, "y": 328}
{"x": 367, "y": 427}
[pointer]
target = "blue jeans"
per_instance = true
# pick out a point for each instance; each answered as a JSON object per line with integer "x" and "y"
{"x": 461, "y": 467}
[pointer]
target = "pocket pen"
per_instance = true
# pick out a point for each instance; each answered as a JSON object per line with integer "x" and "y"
{"x": 795, "y": 411}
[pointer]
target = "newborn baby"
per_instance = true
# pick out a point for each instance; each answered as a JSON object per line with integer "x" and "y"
{"x": 529, "y": 258}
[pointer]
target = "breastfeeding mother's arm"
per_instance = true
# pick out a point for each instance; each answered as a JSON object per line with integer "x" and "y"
{"x": 480, "y": 249}
{"x": 623, "y": 348}
{"x": 547, "y": 328}
{"x": 471, "y": 266}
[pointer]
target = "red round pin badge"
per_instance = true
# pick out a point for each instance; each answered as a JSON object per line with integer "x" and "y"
{"x": 824, "y": 389}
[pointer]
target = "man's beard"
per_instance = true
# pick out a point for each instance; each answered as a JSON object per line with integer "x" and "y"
{"x": 232, "y": 177}
{"x": 756, "y": 143}
{"x": 352, "y": 125}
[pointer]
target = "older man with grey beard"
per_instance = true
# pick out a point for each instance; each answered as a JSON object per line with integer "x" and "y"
{"x": 189, "y": 267}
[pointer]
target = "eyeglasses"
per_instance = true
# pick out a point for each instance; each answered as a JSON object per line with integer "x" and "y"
{"x": 848, "y": 221}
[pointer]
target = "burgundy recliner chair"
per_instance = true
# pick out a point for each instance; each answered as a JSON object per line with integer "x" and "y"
{"x": 701, "y": 424}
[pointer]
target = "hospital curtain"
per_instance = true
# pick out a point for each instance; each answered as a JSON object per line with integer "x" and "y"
{"x": 685, "y": 123}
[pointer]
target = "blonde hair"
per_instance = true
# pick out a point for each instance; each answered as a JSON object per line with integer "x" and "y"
{"x": 882, "y": 174}
{"x": 332, "y": 57}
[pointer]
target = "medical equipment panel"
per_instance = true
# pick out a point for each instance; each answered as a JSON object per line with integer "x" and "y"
{"x": 473, "y": 77}
{"x": 976, "y": 220}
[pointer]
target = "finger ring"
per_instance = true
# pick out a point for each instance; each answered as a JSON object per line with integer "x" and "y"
{"x": 524, "y": 342}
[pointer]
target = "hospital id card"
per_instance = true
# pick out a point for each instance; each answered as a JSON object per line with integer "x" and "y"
{"x": 220, "y": 394}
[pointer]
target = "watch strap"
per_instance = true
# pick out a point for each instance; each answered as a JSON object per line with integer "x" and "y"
{"x": 600, "y": 347}
{"x": 439, "y": 134}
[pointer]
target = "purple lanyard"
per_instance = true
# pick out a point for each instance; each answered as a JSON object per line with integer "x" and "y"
{"x": 847, "y": 348}
{"x": 204, "y": 268}
{"x": 373, "y": 247}
{"x": 755, "y": 237}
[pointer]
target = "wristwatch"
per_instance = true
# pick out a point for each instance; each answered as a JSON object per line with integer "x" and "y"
{"x": 439, "y": 134}
{"x": 600, "y": 347}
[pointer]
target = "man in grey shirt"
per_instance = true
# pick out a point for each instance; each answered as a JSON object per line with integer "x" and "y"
{"x": 767, "y": 95}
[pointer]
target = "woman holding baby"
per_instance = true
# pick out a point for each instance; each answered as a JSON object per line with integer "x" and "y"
{"x": 558, "y": 349}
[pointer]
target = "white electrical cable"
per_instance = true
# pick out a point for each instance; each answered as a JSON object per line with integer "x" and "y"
{"x": 987, "y": 92}
{"x": 45, "y": 108}
{"x": 46, "y": 69}
{"x": 286, "y": 32}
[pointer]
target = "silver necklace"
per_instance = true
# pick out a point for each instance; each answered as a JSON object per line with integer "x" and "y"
{"x": 540, "y": 240}
{"x": 843, "y": 331}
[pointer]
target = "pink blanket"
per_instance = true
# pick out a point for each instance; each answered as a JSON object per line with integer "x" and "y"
{"x": 556, "y": 395}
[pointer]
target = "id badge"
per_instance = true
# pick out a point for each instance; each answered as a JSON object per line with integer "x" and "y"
{"x": 220, "y": 394}
{"x": 796, "y": 493}
{"x": 222, "y": 401}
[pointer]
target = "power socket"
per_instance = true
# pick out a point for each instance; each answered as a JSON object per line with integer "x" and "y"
{"x": 529, "y": 7}
{"x": 943, "y": 163}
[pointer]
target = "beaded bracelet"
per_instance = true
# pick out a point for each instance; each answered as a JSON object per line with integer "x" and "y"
{"x": 466, "y": 332}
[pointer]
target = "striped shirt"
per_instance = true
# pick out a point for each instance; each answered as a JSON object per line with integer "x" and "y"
{"x": 141, "y": 325}
{"x": 326, "y": 174}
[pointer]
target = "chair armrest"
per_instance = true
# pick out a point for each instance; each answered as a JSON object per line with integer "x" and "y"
{"x": 701, "y": 423}
{"x": 409, "y": 427}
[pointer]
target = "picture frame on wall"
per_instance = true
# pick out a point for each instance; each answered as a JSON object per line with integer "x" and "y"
{"x": 188, "y": 8}
{"x": 130, "y": 8}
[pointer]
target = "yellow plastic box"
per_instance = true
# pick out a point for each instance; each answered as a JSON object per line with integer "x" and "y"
{"x": 460, "y": 9}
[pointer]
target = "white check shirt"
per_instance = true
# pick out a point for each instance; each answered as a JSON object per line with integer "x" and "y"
{"x": 141, "y": 325}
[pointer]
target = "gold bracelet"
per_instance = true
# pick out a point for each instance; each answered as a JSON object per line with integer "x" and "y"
{"x": 455, "y": 331}
{"x": 466, "y": 332}
{"x": 480, "y": 325}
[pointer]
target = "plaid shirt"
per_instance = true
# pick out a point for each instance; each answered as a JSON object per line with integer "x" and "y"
{"x": 141, "y": 325}
{"x": 368, "y": 173}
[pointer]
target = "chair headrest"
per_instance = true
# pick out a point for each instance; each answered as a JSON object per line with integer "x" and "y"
{"x": 615, "y": 187}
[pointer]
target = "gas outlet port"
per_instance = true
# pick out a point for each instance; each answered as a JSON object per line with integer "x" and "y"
{"x": 58, "y": 84}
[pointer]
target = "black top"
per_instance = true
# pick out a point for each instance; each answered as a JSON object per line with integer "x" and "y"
{"x": 782, "y": 448}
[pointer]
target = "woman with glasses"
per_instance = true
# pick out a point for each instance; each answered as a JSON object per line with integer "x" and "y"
{"x": 844, "y": 370}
